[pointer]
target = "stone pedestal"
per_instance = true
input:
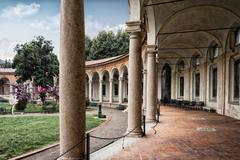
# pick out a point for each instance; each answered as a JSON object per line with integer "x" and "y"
{"x": 151, "y": 84}
{"x": 72, "y": 80}
{"x": 134, "y": 79}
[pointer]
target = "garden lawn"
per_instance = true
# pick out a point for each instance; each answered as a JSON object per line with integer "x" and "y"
{"x": 21, "y": 134}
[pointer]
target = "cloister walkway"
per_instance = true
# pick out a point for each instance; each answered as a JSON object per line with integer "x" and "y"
{"x": 185, "y": 135}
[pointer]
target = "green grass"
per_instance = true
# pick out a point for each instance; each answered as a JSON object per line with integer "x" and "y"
{"x": 21, "y": 134}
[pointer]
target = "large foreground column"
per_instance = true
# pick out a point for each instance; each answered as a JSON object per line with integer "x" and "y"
{"x": 134, "y": 76}
{"x": 72, "y": 80}
{"x": 151, "y": 84}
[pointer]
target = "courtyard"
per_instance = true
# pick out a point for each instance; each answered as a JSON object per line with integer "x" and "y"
{"x": 187, "y": 134}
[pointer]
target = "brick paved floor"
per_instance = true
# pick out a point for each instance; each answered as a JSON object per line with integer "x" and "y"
{"x": 185, "y": 135}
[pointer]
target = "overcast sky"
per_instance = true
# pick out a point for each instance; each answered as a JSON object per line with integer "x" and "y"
{"x": 21, "y": 20}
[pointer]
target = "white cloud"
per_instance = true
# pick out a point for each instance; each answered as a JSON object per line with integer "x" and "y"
{"x": 121, "y": 27}
{"x": 6, "y": 48}
{"x": 49, "y": 24}
{"x": 93, "y": 26}
{"x": 20, "y": 10}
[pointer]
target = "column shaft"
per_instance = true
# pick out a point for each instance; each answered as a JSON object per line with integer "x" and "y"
{"x": 110, "y": 90}
{"x": 100, "y": 91}
{"x": 72, "y": 81}
{"x": 151, "y": 85}
{"x": 120, "y": 90}
{"x": 145, "y": 89}
{"x": 134, "y": 87}
{"x": 90, "y": 90}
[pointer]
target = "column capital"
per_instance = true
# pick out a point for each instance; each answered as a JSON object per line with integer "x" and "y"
{"x": 134, "y": 26}
{"x": 90, "y": 81}
{"x": 120, "y": 78}
{"x": 144, "y": 71}
{"x": 111, "y": 80}
{"x": 100, "y": 81}
{"x": 152, "y": 49}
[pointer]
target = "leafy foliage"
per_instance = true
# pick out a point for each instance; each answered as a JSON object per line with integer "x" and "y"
{"x": 36, "y": 61}
{"x": 106, "y": 44}
{"x": 22, "y": 96}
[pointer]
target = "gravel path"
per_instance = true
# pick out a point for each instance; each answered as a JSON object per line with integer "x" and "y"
{"x": 114, "y": 128}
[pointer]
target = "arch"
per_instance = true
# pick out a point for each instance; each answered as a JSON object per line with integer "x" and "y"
{"x": 4, "y": 86}
{"x": 103, "y": 73}
{"x": 230, "y": 39}
{"x": 151, "y": 25}
{"x": 134, "y": 9}
{"x": 113, "y": 71}
{"x": 122, "y": 69}
{"x": 166, "y": 77}
{"x": 194, "y": 8}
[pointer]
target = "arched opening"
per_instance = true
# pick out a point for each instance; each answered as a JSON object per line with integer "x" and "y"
{"x": 125, "y": 84}
{"x": 115, "y": 91}
{"x": 4, "y": 86}
{"x": 95, "y": 87}
{"x": 166, "y": 83}
{"x": 105, "y": 86}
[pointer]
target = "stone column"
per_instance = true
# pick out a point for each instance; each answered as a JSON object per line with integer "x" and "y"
{"x": 100, "y": 90}
{"x": 72, "y": 80}
{"x": 134, "y": 79}
{"x": 144, "y": 88}
{"x": 120, "y": 99}
{"x": 151, "y": 85}
{"x": 110, "y": 90}
{"x": 90, "y": 90}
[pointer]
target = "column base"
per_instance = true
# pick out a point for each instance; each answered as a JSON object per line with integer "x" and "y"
{"x": 70, "y": 159}
{"x": 136, "y": 133}
{"x": 150, "y": 120}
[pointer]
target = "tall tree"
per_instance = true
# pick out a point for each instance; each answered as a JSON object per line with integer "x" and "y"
{"x": 88, "y": 45}
{"x": 106, "y": 44}
{"x": 36, "y": 61}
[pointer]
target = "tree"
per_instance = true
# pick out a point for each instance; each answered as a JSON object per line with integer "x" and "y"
{"x": 106, "y": 44}
{"x": 88, "y": 45}
{"x": 36, "y": 61}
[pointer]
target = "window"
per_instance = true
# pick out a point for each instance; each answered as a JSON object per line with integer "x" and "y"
{"x": 215, "y": 51}
{"x": 197, "y": 84}
{"x": 104, "y": 90}
{"x": 181, "y": 86}
{"x": 116, "y": 89}
{"x": 214, "y": 83}
{"x": 181, "y": 66}
{"x": 238, "y": 37}
{"x": 196, "y": 61}
{"x": 236, "y": 78}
